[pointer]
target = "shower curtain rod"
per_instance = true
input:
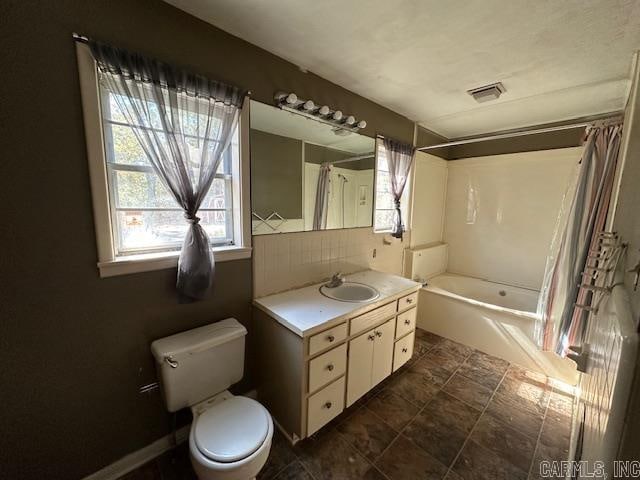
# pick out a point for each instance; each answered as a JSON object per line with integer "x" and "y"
{"x": 353, "y": 159}
{"x": 609, "y": 118}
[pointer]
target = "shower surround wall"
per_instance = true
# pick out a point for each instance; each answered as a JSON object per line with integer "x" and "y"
{"x": 289, "y": 260}
{"x": 501, "y": 212}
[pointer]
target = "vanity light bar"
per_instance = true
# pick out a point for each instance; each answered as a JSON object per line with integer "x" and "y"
{"x": 324, "y": 114}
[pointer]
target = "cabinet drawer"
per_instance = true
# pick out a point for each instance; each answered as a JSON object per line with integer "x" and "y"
{"x": 327, "y": 367}
{"x": 407, "y": 301}
{"x": 322, "y": 340}
{"x": 325, "y": 405}
{"x": 403, "y": 350}
{"x": 405, "y": 322}
{"x": 369, "y": 319}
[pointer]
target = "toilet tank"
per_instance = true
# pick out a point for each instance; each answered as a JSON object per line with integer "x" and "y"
{"x": 199, "y": 363}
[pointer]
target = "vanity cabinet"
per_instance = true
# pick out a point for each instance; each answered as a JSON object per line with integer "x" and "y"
{"x": 307, "y": 378}
{"x": 370, "y": 360}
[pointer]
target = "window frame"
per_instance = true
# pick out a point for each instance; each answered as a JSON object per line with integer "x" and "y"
{"x": 111, "y": 264}
{"x": 405, "y": 204}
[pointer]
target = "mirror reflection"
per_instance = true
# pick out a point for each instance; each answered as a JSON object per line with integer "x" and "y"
{"x": 307, "y": 175}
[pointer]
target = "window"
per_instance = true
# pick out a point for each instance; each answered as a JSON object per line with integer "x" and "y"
{"x": 139, "y": 225}
{"x": 385, "y": 210}
{"x": 144, "y": 215}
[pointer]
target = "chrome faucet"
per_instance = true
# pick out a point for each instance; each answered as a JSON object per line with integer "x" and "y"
{"x": 336, "y": 281}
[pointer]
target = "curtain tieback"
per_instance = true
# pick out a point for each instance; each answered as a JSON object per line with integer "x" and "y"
{"x": 396, "y": 203}
{"x": 192, "y": 218}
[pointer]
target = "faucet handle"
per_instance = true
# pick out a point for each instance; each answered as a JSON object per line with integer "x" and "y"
{"x": 335, "y": 281}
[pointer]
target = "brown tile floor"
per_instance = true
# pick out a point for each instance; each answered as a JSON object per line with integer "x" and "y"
{"x": 452, "y": 412}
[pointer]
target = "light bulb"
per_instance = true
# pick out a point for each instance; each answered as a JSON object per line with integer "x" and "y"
{"x": 291, "y": 98}
{"x": 337, "y": 115}
{"x": 350, "y": 120}
{"x": 309, "y": 105}
{"x": 362, "y": 124}
{"x": 324, "y": 110}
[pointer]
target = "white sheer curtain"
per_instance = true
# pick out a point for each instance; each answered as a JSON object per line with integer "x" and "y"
{"x": 184, "y": 123}
{"x": 399, "y": 157}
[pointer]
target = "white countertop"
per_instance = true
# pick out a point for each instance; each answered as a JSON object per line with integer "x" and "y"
{"x": 306, "y": 311}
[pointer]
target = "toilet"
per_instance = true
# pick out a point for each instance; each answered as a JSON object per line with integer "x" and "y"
{"x": 230, "y": 436}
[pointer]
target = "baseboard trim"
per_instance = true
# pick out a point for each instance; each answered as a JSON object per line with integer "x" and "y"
{"x": 138, "y": 458}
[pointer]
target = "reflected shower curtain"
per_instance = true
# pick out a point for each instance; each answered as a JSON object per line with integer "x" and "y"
{"x": 583, "y": 214}
{"x": 171, "y": 108}
{"x": 321, "y": 210}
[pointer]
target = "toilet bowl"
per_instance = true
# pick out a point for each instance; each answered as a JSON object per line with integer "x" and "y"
{"x": 230, "y": 438}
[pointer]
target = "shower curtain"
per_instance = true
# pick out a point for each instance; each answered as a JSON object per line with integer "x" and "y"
{"x": 321, "y": 210}
{"x": 583, "y": 214}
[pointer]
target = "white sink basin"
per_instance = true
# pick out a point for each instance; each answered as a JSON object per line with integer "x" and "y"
{"x": 351, "y": 292}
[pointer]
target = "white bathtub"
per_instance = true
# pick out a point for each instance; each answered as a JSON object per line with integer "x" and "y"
{"x": 494, "y": 318}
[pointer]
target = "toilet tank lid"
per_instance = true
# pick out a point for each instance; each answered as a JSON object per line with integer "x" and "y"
{"x": 198, "y": 339}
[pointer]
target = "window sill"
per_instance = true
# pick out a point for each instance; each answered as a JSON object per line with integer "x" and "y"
{"x": 160, "y": 261}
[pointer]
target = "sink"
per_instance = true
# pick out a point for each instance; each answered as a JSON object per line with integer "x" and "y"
{"x": 351, "y": 292}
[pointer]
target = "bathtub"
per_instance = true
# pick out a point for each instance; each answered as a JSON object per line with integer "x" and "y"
{"x": 495, "y": 318}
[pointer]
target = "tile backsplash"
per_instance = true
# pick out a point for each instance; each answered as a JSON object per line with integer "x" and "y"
{"x": 289, "y": 260}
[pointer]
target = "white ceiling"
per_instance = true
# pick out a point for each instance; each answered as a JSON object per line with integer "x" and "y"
{"x": 558, "y": 59}
{"x": 286, "y": 124}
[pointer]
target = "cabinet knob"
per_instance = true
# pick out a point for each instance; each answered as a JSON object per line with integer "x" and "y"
{"x": 331, "y": 338}
{"x": 409, "y": 300}
{"x": 378, "y": 333}
{"x": 330, "y": 367}
{"x": 407, "y": 322}
{"x": 327, "y": 405}
{"x": 404, "y": 350}
{"x": 371, "y": 337}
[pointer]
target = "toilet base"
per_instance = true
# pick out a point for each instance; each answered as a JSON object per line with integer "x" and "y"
{"x": 246, "y": 469}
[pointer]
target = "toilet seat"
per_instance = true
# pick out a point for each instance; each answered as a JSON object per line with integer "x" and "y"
{"x": 231, "y": 430}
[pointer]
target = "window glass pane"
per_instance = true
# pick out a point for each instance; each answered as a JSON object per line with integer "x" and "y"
{"x": 383, "y": 166}
{"x": 384, "y": 198}
{"x": 146, "y": 230}
{"x": 217, "y": 196}
{"x": 215, "y": 224}
{"x": 111, "y": 111}
{"x": 126, "y": 148}
{"x": 141, "y": 190}
{"x": 384, "y": 219}
{"x": 145, "y": 190}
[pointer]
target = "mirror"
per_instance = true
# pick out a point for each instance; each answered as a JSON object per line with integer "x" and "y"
{"x": 291, "y": 157}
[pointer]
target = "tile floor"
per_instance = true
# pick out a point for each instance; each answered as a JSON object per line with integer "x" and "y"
{"x": 452, "y": 412}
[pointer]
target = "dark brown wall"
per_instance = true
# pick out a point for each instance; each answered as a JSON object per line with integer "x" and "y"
{"x": 526, "y": 143}
{"x": 276, "y": 175}
{"x": 74, "y": 348}
{"x": 319, "y": 154}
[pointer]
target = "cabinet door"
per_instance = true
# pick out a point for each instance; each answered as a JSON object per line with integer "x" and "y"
{"x": 360, "y": 364}
{"x": 382, "y": 352}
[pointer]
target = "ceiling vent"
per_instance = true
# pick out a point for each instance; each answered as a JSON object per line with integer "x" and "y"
{"x": 487, "y": 92}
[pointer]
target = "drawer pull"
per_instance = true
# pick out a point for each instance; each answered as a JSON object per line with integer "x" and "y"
{"x": 327, "y": 405}
{"x": 331, "y": 338}
{"x": 371, "y": 337}
{"x": 407, "y": 322}
{"x": 330, "y": 367}
{"x": 378, "y": 333}
{"x": 404, "y": 350}
{"x": 409, "y": 300}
